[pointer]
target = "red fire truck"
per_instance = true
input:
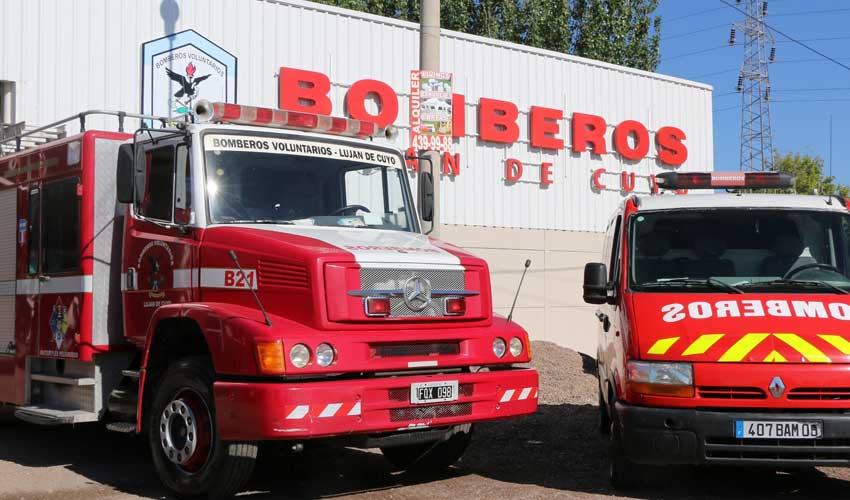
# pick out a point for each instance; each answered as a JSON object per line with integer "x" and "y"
{"x": 259, "y": 276}
{"x": 724, "y": 327}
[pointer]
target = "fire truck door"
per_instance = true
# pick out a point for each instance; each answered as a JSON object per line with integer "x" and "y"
{"x": 160, "y": 247}
{"x": 10, "y": 240}
{"x": 56, "y": 268}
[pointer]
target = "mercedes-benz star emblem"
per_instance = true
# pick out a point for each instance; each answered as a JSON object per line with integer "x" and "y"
{"x": 776, "y": 387}
{"x": 417, "y": 293}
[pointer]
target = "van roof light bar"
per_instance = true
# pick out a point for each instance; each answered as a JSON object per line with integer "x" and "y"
{"x": 724, "y": 180}
{"x": 222, "y": 112}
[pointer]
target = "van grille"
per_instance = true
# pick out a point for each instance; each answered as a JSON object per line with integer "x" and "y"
{"x": 717, "y": 392}
{"x": 773, "y": 450}
{"x": 820, "y": 393}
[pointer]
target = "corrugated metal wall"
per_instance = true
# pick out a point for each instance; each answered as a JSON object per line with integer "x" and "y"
{"x": 70, "y": 56}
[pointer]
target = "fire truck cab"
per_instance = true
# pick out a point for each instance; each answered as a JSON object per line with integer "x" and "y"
{"x": 257, "y": 276}
{"x": 723, "y": 327}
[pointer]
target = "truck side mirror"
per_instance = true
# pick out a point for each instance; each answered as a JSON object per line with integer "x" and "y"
{"x": 426, "y": 196}
{"x": 595, "y": 283}
{"x": 125, "y": 174}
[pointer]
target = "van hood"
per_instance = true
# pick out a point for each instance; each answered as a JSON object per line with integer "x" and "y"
{"x": 747, "y": 328}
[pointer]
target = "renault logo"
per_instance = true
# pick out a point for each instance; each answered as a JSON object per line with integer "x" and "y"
{"x": 417, "y": 293}
{"x": 776, "y": 387}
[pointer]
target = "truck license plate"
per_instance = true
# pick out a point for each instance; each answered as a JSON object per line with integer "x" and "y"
{"x": 771, "y": 429}
{"x": 433, "y": 392}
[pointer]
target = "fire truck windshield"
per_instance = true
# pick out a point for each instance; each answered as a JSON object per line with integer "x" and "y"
{"x": 740, "y": 251}
{"x": 276, "y": 180}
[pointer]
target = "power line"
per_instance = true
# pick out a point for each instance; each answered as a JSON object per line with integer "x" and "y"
{"x": 738, "y": 106}
{"x": 773, "y": 91}
{"x": 808, "y": 12}
{"x": 689, "y": 33}
{"x": 703, "y": 51}
{"x": 789, "y": 61}
{"x": 798, "y": 42}
{"x": 678, "y": 18}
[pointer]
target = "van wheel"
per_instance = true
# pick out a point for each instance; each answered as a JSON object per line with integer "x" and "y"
{"x": 429, "y": 457}
{"x": 622, "y": 472}
{"x": 188, "y": 455}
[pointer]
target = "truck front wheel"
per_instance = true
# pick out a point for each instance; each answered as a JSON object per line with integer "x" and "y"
{"x": 429, "y": 457}
{"x": 189, "y": 457}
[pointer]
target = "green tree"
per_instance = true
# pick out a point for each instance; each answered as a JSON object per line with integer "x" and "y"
{"x": 545, "y": 24}
{"x": 617, "y": 31}
{"x": 456, "y": 14}
{"x": 809, "y": 173}
{"x": 497, "y": 19}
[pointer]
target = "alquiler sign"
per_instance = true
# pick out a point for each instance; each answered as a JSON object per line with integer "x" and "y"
{"x": 308, "y": 91}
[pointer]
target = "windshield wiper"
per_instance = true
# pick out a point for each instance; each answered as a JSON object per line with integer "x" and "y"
{"x": 712, "y": 282}
{"x": 820, "y": 283}
{"x": 257, "y": 221}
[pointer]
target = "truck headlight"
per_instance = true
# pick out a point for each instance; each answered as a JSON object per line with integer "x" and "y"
{"x": 661, "y": 379}
{"x": 516, "y": 346}
{"x": 299, "y": 355}
{"x": 499, "y": 347}
{"x": 325, "y": 355}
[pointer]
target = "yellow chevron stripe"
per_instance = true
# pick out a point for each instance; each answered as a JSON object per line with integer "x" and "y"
{"x": 702, "y": 344}
{"x": 775, "y": 357}
{"x": 743, "y": 347}
{"x": 810, "y": 352}
{"x": 838, "y": 342}
{"x": 661, "y": 346}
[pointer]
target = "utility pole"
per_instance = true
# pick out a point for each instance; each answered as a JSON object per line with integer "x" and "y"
{"x": 754, "y": 85}
{"x": 429, "y": 60}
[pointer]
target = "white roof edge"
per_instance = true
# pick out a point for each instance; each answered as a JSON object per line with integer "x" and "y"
{"x": 743, "y": 201}
{"x": 492, "y": 41}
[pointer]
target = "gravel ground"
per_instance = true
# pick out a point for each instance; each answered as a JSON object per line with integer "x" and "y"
{"x": 556, "y": 453}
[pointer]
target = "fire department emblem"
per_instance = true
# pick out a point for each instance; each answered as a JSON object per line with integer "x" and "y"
{"x": 188, "y": 86}
{"x": 417, "y": 293}
{"x": 59, "y": 324}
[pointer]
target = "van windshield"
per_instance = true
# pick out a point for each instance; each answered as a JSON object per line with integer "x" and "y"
{"x": 741, "y": 251}
{"x": 292, "y": 180}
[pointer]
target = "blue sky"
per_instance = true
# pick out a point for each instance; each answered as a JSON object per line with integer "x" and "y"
{"x": 798, "y": 77}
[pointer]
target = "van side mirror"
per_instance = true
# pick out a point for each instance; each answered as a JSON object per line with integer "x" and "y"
{"x": 595, "y": 283}
{"x": 125, "y": 173}
{"x": 426, "y": 196}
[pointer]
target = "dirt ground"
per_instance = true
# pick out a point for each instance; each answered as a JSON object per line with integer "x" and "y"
{"x": 556, "y": 453}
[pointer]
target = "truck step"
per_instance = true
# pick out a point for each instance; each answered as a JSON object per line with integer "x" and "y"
{"x": 54, "y": 416}
{"x": 123, "y": 402}
{"x": 133, "y": 374}
{"x": 57, "y": 379}
{"x": 122, "y": 427}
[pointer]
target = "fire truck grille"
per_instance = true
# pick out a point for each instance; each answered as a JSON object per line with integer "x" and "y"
{"x": 400, "y": 394}
{"x": 774, "y": 450}
{"x": 430, "y": 412}
{"x": 711, "y": 392}
{"x": 405, "y": 350}
{"x": 279, "y": 275}
{"x": 394, "y": 279}
{"x": 820, "y": 394}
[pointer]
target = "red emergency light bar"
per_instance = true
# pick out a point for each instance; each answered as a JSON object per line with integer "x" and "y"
{"x": 724, "y": 180}
{"x": 222, "y": 112}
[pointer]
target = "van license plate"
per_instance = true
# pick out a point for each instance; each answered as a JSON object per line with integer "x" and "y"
{"x": 433, "y": 392}
{"x": 771, "y": 429}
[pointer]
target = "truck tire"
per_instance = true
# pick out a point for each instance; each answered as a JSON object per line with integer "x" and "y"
{"x": 188, "y": 455}
{"x": 622, "y": 472}
{"x": 429, "y": 457}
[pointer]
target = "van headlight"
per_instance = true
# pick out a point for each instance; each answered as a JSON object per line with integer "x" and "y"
{"x": 661, "y": 378}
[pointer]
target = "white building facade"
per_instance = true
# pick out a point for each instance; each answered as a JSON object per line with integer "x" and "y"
{"x": 59, "y": 58}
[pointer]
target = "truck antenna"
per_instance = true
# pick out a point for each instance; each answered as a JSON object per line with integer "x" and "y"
{"x": 250, "y": 287}
{"x": 527, "y": 265}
